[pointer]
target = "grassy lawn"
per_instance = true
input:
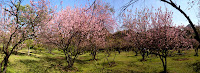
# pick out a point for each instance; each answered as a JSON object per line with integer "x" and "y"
{"x": 125, "y": 62}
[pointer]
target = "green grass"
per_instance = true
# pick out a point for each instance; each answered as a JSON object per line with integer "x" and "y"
{"x": 126, "y": 62}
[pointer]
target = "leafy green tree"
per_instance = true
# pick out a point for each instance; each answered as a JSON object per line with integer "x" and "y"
{"x": 29, "y": 45}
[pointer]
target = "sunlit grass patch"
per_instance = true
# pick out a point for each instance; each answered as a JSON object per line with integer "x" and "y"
{"x": 125, "y": 62}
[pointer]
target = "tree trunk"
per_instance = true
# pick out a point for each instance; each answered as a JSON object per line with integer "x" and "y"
{"x": 4, "y": 63}
{"x": 147, "y": 53}
{"x": 70, "y": 60}
{"x": 164, "y": 63}
{"x": 108, "y": 52}
{"x": 70, "y": 63}
{"x": 143, "y": 54}
{"x": 136, "y": 53}
{"x": 196, "y": 52}
{"x": 117, "y": 49}
{"x": 28, "y": 50}
{"x": 94, "y": 55}
{"x": 179, "y": 51}
{"x": 49, "y": 50}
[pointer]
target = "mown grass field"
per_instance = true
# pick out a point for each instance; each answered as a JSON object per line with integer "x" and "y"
{"x": 126, "y": 62}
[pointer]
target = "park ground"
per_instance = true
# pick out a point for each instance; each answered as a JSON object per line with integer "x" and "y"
{"x": 125, "y": 62}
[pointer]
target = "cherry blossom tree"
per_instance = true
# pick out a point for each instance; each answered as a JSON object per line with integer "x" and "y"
{"x": 186, "y": 16}
{"x": 73, "y": 28}
{"x": 156, "y": 32}
{"x": 118, "y": 42}
{"x": 189, "y": 34}
{"x": 18, "y": 25}
{"x": 140, "y": 23}
{"x": 177, "y": 7}
{"x": 165, "y": 36}
{"x": 106, "y": 22}
{"x": 65, "y": 31}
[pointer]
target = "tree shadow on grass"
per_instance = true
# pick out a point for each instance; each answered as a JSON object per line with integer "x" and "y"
{"x": 81, "y": 61}
{"x": 110, "y": 64}
{"x": 54, "y": 59}
{"x": 34, "y": 66}
{"x": 133, "y": 56}
{"x": 59, "y": 63}
{"x": 55, "y": 62}
{"x": 120, "y": 71}
{"x": 19, "y": 53}
{"x": 44, "y": 65}
{"x": 180, "y": 59}
{"x": 196, "y": 66}
{"x": 132, "y": 64}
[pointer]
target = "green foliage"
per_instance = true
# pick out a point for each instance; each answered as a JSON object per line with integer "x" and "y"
{"x": 29, "y": 43}
{"x": 38, "y": 47}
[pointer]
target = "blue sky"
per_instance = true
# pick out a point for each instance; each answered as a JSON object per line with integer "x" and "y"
{"x": 178, "y": 18}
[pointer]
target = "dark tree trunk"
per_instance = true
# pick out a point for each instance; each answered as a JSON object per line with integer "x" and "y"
{"x": 179, "y": 51}
{"x": 164, "y": 63}
{"x": 70, "y": 58}
{"x": 4, "y": 63}
{"x": 70, "y": 62}
{"x": 196, "y": 52}
{"x": 7, "y": 55}
{"x": 70, "y": 65}
{"x": 136, "y": 53}
{"x": 163, "y": 58}
{"x": 143, "y": 54}
{"x": 94, "y": 55}
{"x": 119, "y": 51}
{"x": 147, "y": 53}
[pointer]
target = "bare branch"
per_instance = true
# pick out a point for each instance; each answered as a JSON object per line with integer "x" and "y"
{"x": 123, "y": 8}
{"x": 187, "y": 17}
